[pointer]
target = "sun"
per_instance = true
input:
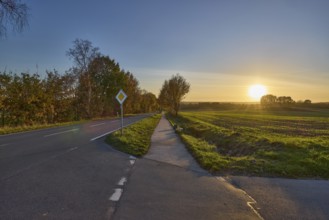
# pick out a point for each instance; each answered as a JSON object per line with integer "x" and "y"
{"x": 257, "y": 91}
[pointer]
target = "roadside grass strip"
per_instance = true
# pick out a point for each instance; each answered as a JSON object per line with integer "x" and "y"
{"x": 136, "y": 138}
{"x": 10, "y": 130}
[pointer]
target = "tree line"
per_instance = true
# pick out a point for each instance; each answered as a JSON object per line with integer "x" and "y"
{"x": 272, "y": 100}
{"x": 85, "y": 91}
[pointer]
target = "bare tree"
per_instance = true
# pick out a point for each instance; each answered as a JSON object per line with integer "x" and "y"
{"x": 12, "y": 13}
{"x": 83, "y": 53}
{"x": 173, "y": 92}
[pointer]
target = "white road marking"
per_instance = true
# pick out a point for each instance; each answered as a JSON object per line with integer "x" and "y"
{"x": 122, "y": 181}
{"x": 132, "y": 162}
{"x": 62, "y": 132}
{"x": 131, "y": 157}
{"x": 249, "y": 204}
{"x": 71, "y": 149}
{"x": 116, "y": 195}
{"x": 102, "y": 135}
{"x": 97, "y": 125}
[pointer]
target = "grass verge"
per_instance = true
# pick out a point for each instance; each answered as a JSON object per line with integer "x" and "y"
{"x": 9, "y": 130}
{"x": 136, "y": 138}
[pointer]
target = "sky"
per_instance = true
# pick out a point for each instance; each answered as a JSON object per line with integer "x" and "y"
{"x": 220, "y": 47}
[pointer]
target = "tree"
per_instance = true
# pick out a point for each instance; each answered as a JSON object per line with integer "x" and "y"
{"x": 24, "y": 100}
{"x": 148, "y": 102}
{"x": 173, "y": 92}
{"x": 5, "y": 80}
{"x": 83, "y": 53}
{"x": 307, "y": 101}
{"x": 106, "y": 80}
{"x": 12, "y": 13}
{"x": 284, "y": 100}
{"x": 268, "y": 100}
{"x": 59, "y": 97}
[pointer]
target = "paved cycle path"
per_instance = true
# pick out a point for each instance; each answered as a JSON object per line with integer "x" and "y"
{"x": 167, "y": 147}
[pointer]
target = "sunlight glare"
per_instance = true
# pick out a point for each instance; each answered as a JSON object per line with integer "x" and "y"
{"x": 257, "y": 91}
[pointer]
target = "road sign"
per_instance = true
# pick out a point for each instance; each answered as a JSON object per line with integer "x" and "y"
{"x": 121, "y": 96}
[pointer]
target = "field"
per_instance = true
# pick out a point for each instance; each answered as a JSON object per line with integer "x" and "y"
{"x": 283, "y": 143}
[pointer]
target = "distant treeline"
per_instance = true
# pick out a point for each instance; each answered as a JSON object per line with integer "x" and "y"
{"x": 83, "y": 92}
{"x": 211, "y": 106}
{"x": 195, "y": 106}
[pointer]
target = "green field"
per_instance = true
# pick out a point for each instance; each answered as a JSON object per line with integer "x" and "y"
{"x": 292, "y": 143}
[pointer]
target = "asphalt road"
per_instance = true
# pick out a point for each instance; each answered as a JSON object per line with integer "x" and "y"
{"x": 279, "y": 198}
{"x": 61, "y": 173}
{"x": 67, "y": 173}
{"x": 168, "y": 184}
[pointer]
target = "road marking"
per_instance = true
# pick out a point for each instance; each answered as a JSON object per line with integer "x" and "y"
{"x": 122, "y": 181}
{"x": 132, "y": 162}
{"x": 62, "y": 132}
{"x": 102, "y": 135}
{"x": 131, "y": 157}
{"x": 116, "y": 195}
{"x": 97, "y": 125}
{"x": 2, "y": 145}
{"x": 249, "y": 204}
{"x": 71, "y": 149}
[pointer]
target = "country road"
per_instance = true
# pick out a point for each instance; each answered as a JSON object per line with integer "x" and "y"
{"x": 60, "y": 173}
{"x": 70, "y": 173}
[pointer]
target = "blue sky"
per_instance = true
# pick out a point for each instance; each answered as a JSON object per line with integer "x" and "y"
{"x": 220, "y": 46}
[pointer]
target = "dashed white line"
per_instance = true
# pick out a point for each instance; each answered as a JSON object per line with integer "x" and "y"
{"x": 122, "y": 181}
{"x": 131, "y": 157}
{"x": 116, "y": 195}
{"x": 62, "y": 132}
{"x": 132, "y": 162}
{"x": 97, "y": 125}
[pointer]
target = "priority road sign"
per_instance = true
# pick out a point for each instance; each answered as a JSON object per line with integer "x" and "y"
{"x": 121, "y": 96}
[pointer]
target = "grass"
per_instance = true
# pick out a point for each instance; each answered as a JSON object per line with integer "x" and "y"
{"x": 258, "y": 142}
{"x": 9, "y": 130}
{"x": 136, "y": 138}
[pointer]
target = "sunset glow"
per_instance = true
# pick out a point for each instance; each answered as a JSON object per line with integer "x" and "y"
{"x": 257, "y": 91}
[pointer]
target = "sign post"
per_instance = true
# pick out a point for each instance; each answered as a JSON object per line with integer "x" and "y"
{"x": 121, "y": 97}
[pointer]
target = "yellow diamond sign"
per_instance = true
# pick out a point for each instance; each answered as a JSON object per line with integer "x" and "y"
{"x": 121, "y": 96}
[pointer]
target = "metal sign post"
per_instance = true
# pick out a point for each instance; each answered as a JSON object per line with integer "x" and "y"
{"x": 121, "y": 97}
